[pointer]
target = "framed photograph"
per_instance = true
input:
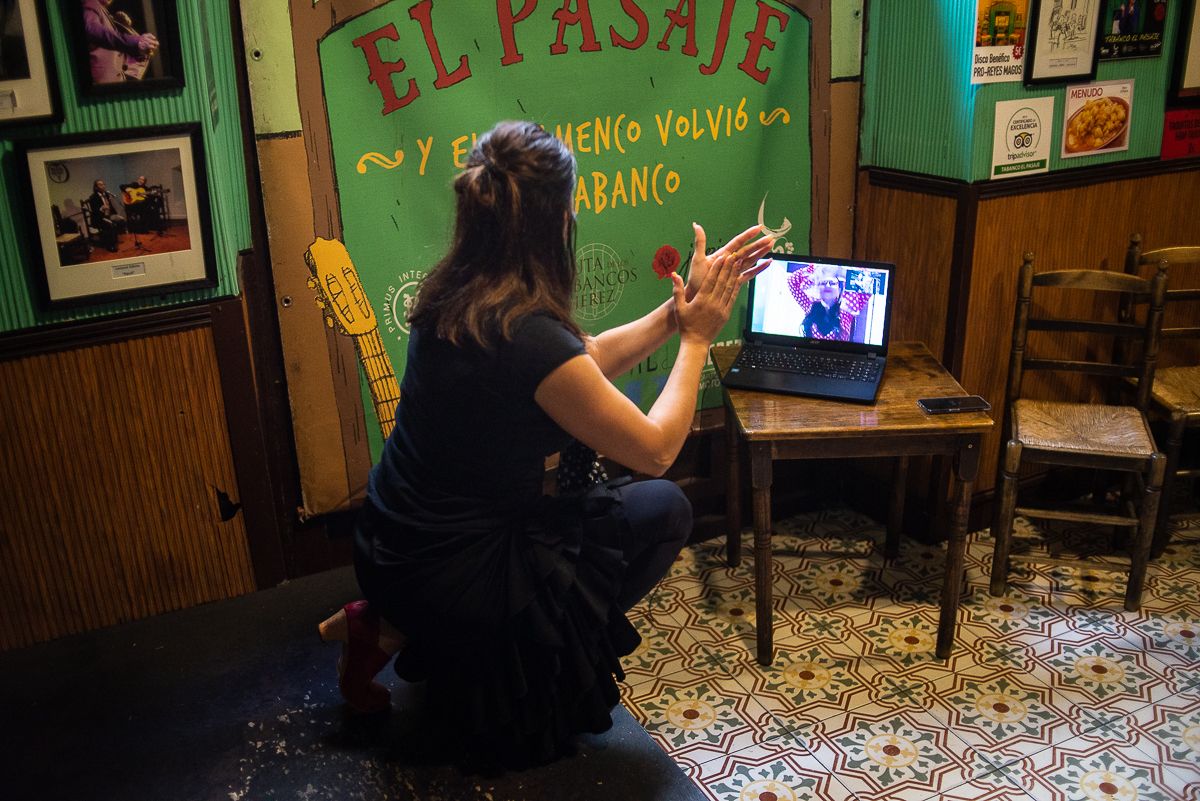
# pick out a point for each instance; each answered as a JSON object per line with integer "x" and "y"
{"x": 117, "y": 214}
{"x": 1063, "y": 43}
{"x": 28, "y": 85}
{"x": 1132, "y": 29}
{"x": 124, "y": 46}
{"x": 1185, "y": 79}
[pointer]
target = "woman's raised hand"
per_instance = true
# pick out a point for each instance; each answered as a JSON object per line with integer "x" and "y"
{"x": 741, "y": 246}
{"x": 702, "y": 317}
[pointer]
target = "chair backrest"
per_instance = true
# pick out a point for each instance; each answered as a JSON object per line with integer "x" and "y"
{"x": 1109, "y": 284}
{"x": 86, "y": 208}
{"x": 1175, "y": 258}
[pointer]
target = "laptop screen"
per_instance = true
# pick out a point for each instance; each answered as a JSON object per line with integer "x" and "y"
{"x": 822, "y": 300}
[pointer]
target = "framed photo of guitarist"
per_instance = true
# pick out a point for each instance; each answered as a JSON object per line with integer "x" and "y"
{"x": 124, "y": 46}
{"x": 117, "y": 214}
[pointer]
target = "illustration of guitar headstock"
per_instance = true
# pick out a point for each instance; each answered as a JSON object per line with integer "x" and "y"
{"x": 340, "y": 293}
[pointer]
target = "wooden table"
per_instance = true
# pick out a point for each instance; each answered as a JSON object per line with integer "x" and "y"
{"x": 789, "y": 427}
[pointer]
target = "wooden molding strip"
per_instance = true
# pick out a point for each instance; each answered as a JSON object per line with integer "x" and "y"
{"x": 65, "y": 336}
{"x": 1045, "y": 182}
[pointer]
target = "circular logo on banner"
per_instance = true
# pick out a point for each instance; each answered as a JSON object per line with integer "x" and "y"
{"x": 399, "y": 302}
{"x": 600, "y": 280}
{"x": 1024, "y": 131}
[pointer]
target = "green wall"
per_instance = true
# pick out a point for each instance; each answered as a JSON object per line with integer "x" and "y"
{"x": 209, "y": 97}
{"x": 921, "y": 113}
{"x": 702, "y": 136}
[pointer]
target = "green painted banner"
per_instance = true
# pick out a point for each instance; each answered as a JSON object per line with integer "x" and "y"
{"x": 676, "y": 110}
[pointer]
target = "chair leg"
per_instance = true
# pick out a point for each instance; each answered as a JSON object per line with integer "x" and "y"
{"x": 1140, "y": 552}
{"x": 1162, "y": 527}
{"x": 1002, "y": 520}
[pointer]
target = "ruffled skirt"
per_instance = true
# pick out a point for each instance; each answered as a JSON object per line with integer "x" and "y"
{"x": 516, "y": 631}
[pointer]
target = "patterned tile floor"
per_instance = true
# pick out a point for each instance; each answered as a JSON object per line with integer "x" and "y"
{"x": 1053, "y": 692}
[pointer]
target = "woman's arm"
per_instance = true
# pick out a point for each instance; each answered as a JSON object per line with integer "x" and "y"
{"x": 617, "y": 350}
{"x": 579, "y": 397}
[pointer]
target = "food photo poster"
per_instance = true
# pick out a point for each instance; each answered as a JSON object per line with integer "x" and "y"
{"x": 1096, "y": 118}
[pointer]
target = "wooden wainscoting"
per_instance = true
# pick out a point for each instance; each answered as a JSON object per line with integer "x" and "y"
{"x": 915, "y": 230}
{"x": 1075, "y": 227}
{"x": 114, "y": 455}
{"x": 958, "y": 247}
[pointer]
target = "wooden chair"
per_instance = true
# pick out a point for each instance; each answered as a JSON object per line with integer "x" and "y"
{"x": 89, "y": 228}
{"x": 72, "y": 244}
{"x": 1175, "y": 398}
{"x": 1086, "y": 434}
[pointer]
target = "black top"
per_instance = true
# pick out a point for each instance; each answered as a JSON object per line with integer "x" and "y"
{"x": 509, "y": 599}
{"x": 823, "y": 322}
{"x": 470, "y": 442}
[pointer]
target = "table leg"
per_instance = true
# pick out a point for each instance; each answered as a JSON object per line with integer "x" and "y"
{"x": 733, "y": 492}
{"x": 966, "y": 464}
{"x": 895, "y": 523}
{"x": 760, "y": 478}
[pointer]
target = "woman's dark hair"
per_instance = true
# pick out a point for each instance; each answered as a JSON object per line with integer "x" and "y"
{"x": 96, "y": 185}
{"x": 513, "y": 250}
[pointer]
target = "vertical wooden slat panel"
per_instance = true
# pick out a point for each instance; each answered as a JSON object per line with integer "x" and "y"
{"x": 112, "y": 453}
{"x": 916, "y": 232}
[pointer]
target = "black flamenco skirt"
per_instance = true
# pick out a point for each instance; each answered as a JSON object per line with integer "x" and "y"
{"x": 516, "y": 631}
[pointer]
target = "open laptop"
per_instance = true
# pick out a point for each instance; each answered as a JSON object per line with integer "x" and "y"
{"x": 816, "y": 326}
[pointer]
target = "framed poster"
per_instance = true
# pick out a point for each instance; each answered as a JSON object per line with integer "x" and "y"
{"x": 124, "y": 46}
{"x": 1063, "y": 41}
{"x": 1185, "y": 78}
{"x": 117, "y": 214}
{"x": 1132, "y": 29}
{"x": 28, "y": 85}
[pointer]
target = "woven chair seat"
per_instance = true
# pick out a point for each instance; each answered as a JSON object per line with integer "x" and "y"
{"x": 1082, "y": 427}
{"x": 1178, "y": 389}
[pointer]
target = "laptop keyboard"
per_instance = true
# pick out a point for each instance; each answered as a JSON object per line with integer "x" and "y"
{"x": 824, "y": 365}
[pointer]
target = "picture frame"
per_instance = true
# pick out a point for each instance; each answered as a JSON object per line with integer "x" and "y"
{"x": 128, "y": 47}
{"x": 1185, "y": 76}
{"x": 117, "y": 214}
{"x": 28, "y": 81}
{"x": 1063, "y": 43}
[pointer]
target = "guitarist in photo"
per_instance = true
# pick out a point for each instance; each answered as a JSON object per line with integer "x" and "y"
{"x": 116, "y": 51}
{"x": 143, "y": 205}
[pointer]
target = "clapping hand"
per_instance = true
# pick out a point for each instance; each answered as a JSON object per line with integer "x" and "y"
{"x": 701, "y": 317}
{"x": 745, "y": 253}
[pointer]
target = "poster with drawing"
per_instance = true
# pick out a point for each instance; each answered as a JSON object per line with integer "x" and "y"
{"x": 1063, "y": 41}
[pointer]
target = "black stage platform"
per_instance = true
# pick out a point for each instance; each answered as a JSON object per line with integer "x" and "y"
{"x": 237, "y": 701}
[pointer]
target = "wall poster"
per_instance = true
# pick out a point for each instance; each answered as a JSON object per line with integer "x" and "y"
{"x": 1021, "y": 139}
{"x": 1096, "y": 118}
{"x": 999, "y": 53}
{"x": 1063, "y": 41}
{"x": 673, "y": 115}
{"x": 1132, "y": 28}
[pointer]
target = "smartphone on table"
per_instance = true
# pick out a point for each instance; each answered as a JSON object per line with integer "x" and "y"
{"x": 960, "y": 403}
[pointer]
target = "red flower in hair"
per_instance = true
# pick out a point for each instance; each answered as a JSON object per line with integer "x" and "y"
{"x": 666, "y": 259}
